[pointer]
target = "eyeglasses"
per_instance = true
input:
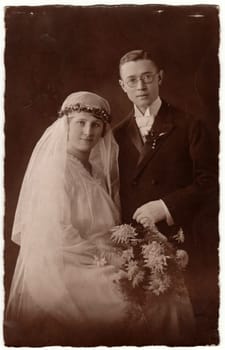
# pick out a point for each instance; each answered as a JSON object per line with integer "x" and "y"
{"x": 147, "y": 78}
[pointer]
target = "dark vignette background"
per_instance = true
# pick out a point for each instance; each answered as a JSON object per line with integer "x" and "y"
{"x": 52, "y": 51}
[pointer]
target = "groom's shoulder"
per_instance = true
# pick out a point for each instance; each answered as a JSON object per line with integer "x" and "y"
{"x": 122, "y": 124}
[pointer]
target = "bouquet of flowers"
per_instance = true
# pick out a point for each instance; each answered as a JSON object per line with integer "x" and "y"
{"x": 152, "y": 265}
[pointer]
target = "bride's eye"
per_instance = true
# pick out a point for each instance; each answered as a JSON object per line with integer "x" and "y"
{"x": 81, "y": 122}
{"x": 96, "y": 125}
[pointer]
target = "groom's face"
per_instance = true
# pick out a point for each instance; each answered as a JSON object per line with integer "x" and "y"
{"x": 140, "y": 80}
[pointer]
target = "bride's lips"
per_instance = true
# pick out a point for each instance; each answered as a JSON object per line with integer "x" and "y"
{"x": 87, "y": 140}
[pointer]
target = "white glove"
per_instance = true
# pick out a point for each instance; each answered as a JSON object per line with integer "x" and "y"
{"x": 150, "y": 213}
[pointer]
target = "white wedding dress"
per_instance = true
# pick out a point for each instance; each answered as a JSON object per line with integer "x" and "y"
{"x": 79, "y": 295}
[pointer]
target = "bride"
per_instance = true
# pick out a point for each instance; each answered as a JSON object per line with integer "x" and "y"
{"x": 63, "y": 292}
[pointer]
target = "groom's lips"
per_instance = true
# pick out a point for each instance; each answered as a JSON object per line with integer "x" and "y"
{"x": 144, "y": 95}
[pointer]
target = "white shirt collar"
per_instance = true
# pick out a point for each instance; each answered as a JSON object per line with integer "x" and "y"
{"x": 152, "y": 110}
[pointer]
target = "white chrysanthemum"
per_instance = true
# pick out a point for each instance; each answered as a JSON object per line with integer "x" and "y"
{"x": 182, "y": 258}
{"x": 123, "y": 233}
{"x": 132, "y": 269}
{"x": 179, "y": 237}
{"x": 138, "y": 278}
{"x": 154, "y": 256}
{"x": 159, "y": 283}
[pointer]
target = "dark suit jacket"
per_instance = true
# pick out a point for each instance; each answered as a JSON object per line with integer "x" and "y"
{"x": 176, "y": 165}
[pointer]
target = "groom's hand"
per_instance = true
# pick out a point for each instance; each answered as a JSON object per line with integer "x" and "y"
{"x": 150, "y": 213}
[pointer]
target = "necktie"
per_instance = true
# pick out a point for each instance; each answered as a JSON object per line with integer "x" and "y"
{"x": 145, "y": 123}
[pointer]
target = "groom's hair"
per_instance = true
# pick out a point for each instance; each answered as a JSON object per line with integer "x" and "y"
{"x": 136, "y": 55}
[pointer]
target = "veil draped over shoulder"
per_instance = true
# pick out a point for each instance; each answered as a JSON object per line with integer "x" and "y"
{"x": 38, "y": 224}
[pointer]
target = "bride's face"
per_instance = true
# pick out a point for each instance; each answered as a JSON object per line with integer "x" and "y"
{"x": 84, "y": 132}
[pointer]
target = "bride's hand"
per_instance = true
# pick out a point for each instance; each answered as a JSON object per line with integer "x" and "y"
{"x": 102, "y": 241}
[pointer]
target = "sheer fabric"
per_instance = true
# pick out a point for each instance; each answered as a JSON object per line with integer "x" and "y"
{"x": 59, "y": 209}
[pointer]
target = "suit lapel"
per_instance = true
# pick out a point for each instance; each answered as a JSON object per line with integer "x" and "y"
{"x": 134, "y": 134}
{"x": 161, "y": 129}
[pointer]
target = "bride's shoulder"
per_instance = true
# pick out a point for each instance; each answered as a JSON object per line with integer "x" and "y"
{"x": 98, "y": 175}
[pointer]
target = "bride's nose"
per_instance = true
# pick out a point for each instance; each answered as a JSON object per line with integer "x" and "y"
{"x": 87, "y": 130}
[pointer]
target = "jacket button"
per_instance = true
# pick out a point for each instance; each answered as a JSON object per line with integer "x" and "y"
{"x": 134, "y": 183}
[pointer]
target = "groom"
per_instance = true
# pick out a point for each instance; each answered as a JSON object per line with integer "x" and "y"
{"x": 165, "y": 160}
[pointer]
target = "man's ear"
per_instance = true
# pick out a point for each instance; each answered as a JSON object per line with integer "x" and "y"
{"x": 160, "y": 76}
{"x": 122, "y": 85}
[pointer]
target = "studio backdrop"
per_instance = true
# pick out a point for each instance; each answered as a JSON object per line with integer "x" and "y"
{"x": 51, "y": 51}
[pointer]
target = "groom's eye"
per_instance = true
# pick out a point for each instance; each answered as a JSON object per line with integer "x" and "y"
{"x": 131, "y": 80}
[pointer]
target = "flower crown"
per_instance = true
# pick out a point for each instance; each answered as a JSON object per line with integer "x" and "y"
{"x": 99, "y": 113}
